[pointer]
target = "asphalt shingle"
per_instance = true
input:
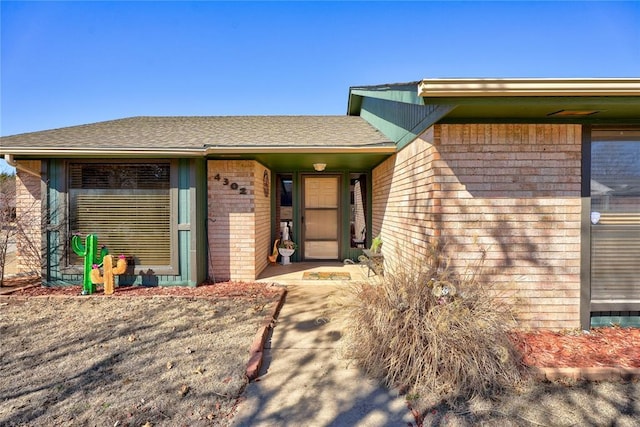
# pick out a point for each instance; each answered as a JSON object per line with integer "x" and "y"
{"x": 202, "y": 132}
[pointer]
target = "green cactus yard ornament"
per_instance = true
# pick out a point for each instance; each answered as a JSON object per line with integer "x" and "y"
{"x": 92, "y": 255}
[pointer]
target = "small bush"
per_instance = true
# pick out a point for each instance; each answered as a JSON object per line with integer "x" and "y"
{"x": 433, "y": 333}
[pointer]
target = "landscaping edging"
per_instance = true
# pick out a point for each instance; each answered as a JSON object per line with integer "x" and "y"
{"x": 588, "y": 374}
{"x": 256, "y": 351}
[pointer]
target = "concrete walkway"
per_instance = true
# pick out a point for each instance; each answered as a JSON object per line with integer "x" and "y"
{"x": 304, "y": 381}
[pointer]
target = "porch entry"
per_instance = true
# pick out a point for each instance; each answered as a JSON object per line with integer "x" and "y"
{"x": 321, "y": 217}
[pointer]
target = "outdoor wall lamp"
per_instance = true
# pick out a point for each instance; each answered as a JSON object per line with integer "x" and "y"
{"x": 319, "y": 167}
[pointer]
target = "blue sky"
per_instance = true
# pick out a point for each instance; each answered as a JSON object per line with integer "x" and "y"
{"x": 70, "y": 63}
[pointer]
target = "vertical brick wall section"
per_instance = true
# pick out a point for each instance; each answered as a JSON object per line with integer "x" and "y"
{"x": 239, "y": 236}
{"x": 262, "y": 241}
{"x": 29, "y": 218}
{"x": 510, "y": 190}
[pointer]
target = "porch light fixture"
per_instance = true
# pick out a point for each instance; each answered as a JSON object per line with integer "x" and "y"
{"x": 319, "y": 167}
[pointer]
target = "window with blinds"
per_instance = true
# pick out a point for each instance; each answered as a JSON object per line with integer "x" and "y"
{"x": 615, "y": 216}
{"x": 127, "y": 205}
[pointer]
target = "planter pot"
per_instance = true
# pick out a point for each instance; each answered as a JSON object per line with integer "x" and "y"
{"x": 286, "y": 255}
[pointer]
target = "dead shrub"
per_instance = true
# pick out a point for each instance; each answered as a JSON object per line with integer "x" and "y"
{"x": 436, "y": 334}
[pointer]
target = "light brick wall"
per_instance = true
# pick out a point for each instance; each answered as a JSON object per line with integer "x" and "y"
{"x": 262, "y": 220}
{"x": 239, "y": 236}
{"x": 29, "y": 220}
{"x": 513, "y": 190}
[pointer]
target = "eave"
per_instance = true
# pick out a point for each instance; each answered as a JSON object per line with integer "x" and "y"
{"x": 437, "y": 88}
{"x": 205, "y": 151}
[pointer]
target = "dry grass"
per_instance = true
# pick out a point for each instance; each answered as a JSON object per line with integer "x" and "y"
{"x": 435, "y": 334}
{"x": 124, "y": 361}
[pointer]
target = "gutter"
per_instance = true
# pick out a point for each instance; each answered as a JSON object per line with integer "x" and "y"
{"x": 436, "y": 88}
{"x": 58, "y": 152}
{"x": 11, "y": 161}
{"x": 391, "y": 148}
{"x": 200, "y": 152}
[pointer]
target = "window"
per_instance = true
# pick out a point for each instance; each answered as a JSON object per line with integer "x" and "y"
{"x": 358, "y": 185}
{"x": 127, "y": 205}
{"x": 615, "y": 216}
{"x": 285, "y": 206}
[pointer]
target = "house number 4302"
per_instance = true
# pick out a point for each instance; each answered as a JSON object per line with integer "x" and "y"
{"x": 233, "y": 185}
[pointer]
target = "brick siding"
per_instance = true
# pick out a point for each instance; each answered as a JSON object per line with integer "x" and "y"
{"x": 29, "y": 220}
{"x": 239, "y": 236}
{"x": 510, "y": 190}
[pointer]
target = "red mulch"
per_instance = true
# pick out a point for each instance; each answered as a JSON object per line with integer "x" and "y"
{"x": 612, "y": 347}
{"x": 208, "y": 290}
{"x": 599, "y": 347}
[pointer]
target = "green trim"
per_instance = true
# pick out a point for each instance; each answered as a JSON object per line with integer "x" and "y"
{"x": 187, "y": 267}
{"x": 407, "y": 94}
{"x": 56, "y": 226}
{"x": 624, "y": 321}
{"x": 402, "y": 122}
{"x": 585, "y": 231}
{"x": 199, "y": 239}
{"x": 354, "y": 105}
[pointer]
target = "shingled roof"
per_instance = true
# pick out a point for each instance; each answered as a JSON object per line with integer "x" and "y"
{"x": 202, "y": 133}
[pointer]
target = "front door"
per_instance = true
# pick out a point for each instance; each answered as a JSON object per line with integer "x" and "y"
{"x": 320, "y": 217}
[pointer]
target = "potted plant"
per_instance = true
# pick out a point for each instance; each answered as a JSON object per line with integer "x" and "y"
{"x": 286, "y": 249}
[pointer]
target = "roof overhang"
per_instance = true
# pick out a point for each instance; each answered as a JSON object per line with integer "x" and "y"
{"x": 580, "y": 101}
{"x": 205, "y": 151}
{"x": 276, "y": 158}
{"x": 38, "y": 152}
{"x": 434, "y": 88}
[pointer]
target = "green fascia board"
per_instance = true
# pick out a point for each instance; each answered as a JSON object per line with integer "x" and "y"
{"x": 405, "y": 93}
{"x": 391, "y": 130}
{"x": 401, "y": 122}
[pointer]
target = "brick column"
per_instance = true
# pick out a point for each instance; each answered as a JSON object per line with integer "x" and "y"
{"x": 239, "y": 236}
{"x": 29, "y": 221}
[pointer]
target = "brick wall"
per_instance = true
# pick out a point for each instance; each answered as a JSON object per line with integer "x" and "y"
{"x": 239, "y": 236}
{"x": 29, "y": 220}
{"x": 262, "y": 241}
{"x": 512, "y": 190}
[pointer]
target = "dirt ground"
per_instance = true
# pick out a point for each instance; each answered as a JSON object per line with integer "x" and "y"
{"x": 177, "y": 357}
{"x": 560, "y": 403}
{"x": 126, "y": 361}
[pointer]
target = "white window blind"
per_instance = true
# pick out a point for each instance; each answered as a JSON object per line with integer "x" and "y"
{"x": 127, "y": 205}
{"x": 615, "y": 207}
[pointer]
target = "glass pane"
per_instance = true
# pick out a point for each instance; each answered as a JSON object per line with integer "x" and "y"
{"x": 128, "y": 206}
{"x": 322, "y": 224}
{"x": 615, "y": 215}
{"x": 321, "y": 217}
{"x": 358, "y": 211}
{"x": 615, "y": 176}
{"x": 321, "y": 250}
{"x": 321, "y": 192}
